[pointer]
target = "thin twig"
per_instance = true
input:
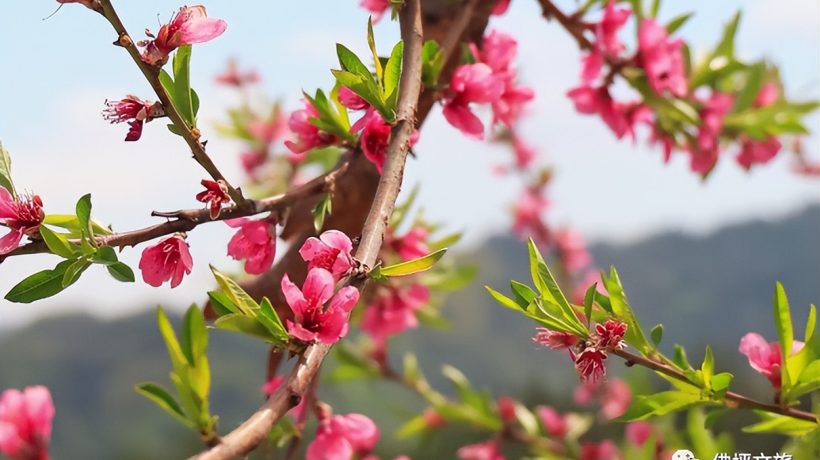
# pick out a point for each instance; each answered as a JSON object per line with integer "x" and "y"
{"x": 151, "y": 74}
{"x": 572, "y": 24}
{"x": 248, "y": 435}
{"x": 732, "y": 399}
{"x": 188, "y": 219}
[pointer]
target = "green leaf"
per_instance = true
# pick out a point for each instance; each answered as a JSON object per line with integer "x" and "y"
{"x": 40, "y": 285}
{"x": 351, "y": 63}
{"x": 322, "y": 209}
{"x": 412, "y": 427}
{"x": 221, "y": 303}
{"x": 121, "y": 272}
{"x": 74, "y": 271}
{"x": 677, "y": 22}
{"x": 554, "y": 296}
{"x": 620, "y": 306}
{"x": 72, "y": 224}
{"x": 170, "y": 338}
{"x": 524, "y": 294}
{"x": 243, "y": 302}
{"x": 194, "y": 336}
{"x": 657, "y": 334}
{"x": 707, "y": 367}
{"x": 653, "y": 10}
{"x": 371, "y": 43}
{"x": 589, "y": 299}
{"x": 5, "y": 172}
{"x": 392, "y": 71}
{"x": 270, "y": 319}
{"x": 783, "y": 324}
{"x": 504, "y": 300}
{"x": 808, "y": 381}
{"x": 776, "y": 423}
{"x": 83, "y": 210}
{"x": 57, "y": 243}
{"x": 160, "y": 396}
{"x": 182, "y": 84}
{"x": 432, "y": 62}
{"x": 646, "y": 406}
{"x": 411, "y": 266}
{"x": 755, "y": 76}
{"x": 245, "y": 325}
{"x": 720, "y": 383}
{"x": 105, "y": 255}
{"x": 680, "y": 358}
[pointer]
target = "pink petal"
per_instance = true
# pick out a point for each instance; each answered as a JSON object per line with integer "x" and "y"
{"x": 460, "y": 116}
{"x": 345, "y": 299}
{"x": 296, "y": 330}
{"x": 318, "y": 287}
{"x": 293, "y": 296}
{"x": 338, "y": 240}
{"x": 203, "y": 30}
{"x": 758, "y": 351}
{"x": 11, "y": 241}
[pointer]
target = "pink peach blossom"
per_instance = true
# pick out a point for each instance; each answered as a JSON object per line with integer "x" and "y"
{"x": 554, "y": 339}
{"x": 342, "y": 437}
{"x": 572, "y": 250}
{"x": 661, "y": 59}
{"x": 394, "y": 310}
{"x": 765, "y": 357}
{"x": 471, "y": 83}
{"x": 331, "y": 251}
{"x": 377, "y": 8}
{"x": 170, "y": 259}
{"x": 308, "y": 136}
{"x": 255, "y": 242}
{"x": 500, "y": 7}
{"x": 590, "y": 364}
{"x": 190, "y": 25}
{"x": 412, "y": 244}
{"x": 311, "y": 320}
{"x": 605, "y": 450}
{"x": 25, "y": 423}
{"x": 606, "y": 31}
{"x": 134, "y": 111}
{"x": 232, "y": 76}
{"x": 704, "y": 154}
{"x": 214, "y": 195}
{"x": 555, "y": 423}
{"x": 480, "y": 451}
{"x": 22, "y": 215}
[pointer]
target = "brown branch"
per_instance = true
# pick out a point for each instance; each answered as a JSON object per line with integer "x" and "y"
{"x": 572, "y": 24}
{"x": 732, "y": 399}
{"x": 248, "y": 435}
{"x": 151, "y": 73}
{"x": 188, "y": 219}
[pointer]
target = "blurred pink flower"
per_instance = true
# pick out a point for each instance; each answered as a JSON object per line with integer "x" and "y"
{"x": 377, "y": 8}
{"x": 232, "y": 76}
{"x": 25, "y": 423}
{"x": 255, "y": 242}
{"x": 661, "y": 59}
{"x": 638, "y": 432}
{"x": 480, "y": 451}
{"x": 606, "y": 31}
{"x": 411, "y": 245}
{"x": 394, "y": 310}
{"x": 605, "y": 450}
{"x": 704, "y": 154}
{"x": 471, "y": 83}
{"x": 308, "y": 136}
{"x": 170, "y": 259}
{"x": 22, "y": 215}
{"x": 572, "y": 250}
{"x": 553, "y": 421}
{"x": 500, "y": 7}
{"x": 342, "y": 437}
{"x": 190, "y": 25}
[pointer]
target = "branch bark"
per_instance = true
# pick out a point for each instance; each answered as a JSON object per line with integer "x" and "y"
{"x": 151, "y": 74}
{"x": 733, "y": 399}
{"x": 188, "y": 219}
{"x": 248, "y": 435}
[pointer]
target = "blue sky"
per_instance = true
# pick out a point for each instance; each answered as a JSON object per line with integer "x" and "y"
{"x": 58, "y": 72}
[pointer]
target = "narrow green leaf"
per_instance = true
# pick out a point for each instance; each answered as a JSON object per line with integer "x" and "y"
{"x": 657, "y": 334}
{"x": 74, "y": 271}
{"x": 160, "y": 396}
{"x": 775, "y": 423}
{"x": 40, "y": 285}
{"x": 57, "y": 243}
{"x": 83, "y": 210}
{"x": 194, "y": 335}
{"x": 707, "y": 367}
{"x": 182, "y": 84}
{"x": 653, "y": 10}
{"x": 270, "y": 319}
{"x": 371, "y": 42}
{"x": 322, "y": 209}
{"x": 121, "y": 272}
{"x": 677, "y": 22}
{"x": 681, "y": 359}
{"x": 785, "y": 331}
{"x": 535, "y": 259}
{"x": 412, "y": 266}
{"x": 432, "y": 62}
{"x": 222, "y": 303}
{"x": 105, "y": 255}
{"x": 243, "y": 302}
{"x": 392, "y": 71}
{"x": 170, "y": 338}
{"x": 504, "y": 300}
{"x": 523, "y": 293}
{"x": 5, "y": 172}
{"x": 620, "y": 306}
{"x": 646, "y": 406}
{"x": 245, "y": 325}
{"x": 72, "y": 224}
{"x": 351, "y": 63}
{"x": 755, "y": 78}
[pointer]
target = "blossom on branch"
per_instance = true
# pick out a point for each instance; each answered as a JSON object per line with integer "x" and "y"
{"x": 471, "y": 83}
{"x": 704, "y": 153}
{"x": 661, "y": 59}
{"x": 214, "y": 195}
{"x": 760, "y": 151}
{"x": 255, "y": 242}
{"x": 312, "y": 322}
{"x": 377, "y": 8}
{"x": 190, "y": 25}
{"x": 22, "y": 215}
{"x": 480, "y": 451}
{"x": 331, "y": 251}
{"x": 134, "y": 111}
{"x": 308, "y": 135}
{"x": 411, "y": 245}
{"x": 232, "y": 76}
{"x": 343, "y": 436}
{"x": 554, "y": 423}
{"x": 25, "y": 423}
{"x": 170, "y": 259}
{"x": 765, "y": 357}
{"x": 393, "y": 310}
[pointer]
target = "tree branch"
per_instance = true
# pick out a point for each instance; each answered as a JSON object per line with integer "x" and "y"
{"x": 248, "y": 435}
{"x": 571, "y": 23}
{"x": 732, "y": 399}
{"x": 151, "y": 73}
{"x": 188, "y": 219}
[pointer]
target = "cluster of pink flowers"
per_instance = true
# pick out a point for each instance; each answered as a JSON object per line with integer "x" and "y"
{"x": 765, "y": 357}
{"x": 490, "y": 80}
{"x": 25, "y": 423}
{"x": 190, "y": 25}
{"x": 760, "y": 151}
{"x": 588, "y": 355}
{"x": 22, "y": 215}
{"x": 134, "y": 111}
{"x": 343, "y": 437}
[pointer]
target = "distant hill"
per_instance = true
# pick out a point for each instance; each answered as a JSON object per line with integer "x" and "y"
{"x": 715, "y": 287}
